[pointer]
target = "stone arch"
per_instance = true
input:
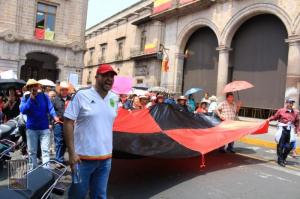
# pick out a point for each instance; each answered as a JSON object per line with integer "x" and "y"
{"x": 191, "y": 27}
{"x": 296, "y": 28}
{"x": 243, "y": 15}
{"x": 39, "y": 65}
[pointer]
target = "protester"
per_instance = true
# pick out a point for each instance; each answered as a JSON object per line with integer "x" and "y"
{"x": 213, "y": 104}
{"x": 129, "y": 101}
{"x": 1, "y": 107}
{"x": 88, "y": 128}
{"x": 60, "y": 103}
{"x": 144, "y": 101}
{"x": 228, "y": 110}
{"x": 288, "y": 127}
{"x": 170, "y": 100}
{"x": 136, "y": 103}
{"x": 122, "y": 100}
{"x": 206, "y": 97}
{"x": 191, "y": 103}
{"x": 152, "y": 102}
{"x": 203, "y": 107}
{"x": 52, "y": 95}
{"x": 182, "y": 104}
{"x": 11, "y": 107}
{"x": 160, "y": 99}
{"x": 36, "y": 107}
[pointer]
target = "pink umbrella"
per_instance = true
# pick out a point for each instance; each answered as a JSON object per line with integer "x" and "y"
{"x": 237, "y": 86}
{"x": 122, "y": 85}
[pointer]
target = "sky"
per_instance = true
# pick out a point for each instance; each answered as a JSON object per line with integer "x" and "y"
{"x": 99, "y": 10}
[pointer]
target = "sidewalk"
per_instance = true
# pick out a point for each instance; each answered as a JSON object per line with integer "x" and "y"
{"x": 264, "y": 140}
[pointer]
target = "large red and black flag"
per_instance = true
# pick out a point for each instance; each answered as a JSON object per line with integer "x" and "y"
{"x": 166, "y": 132}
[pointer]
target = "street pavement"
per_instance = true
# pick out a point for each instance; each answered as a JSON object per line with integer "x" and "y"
{"x": 249, "y": 174}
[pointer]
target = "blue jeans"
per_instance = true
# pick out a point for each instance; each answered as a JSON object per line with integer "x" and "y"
{"x": 94, "y": 178}
{"x": 33, "y": 138}
{"x": 60, "y": 145}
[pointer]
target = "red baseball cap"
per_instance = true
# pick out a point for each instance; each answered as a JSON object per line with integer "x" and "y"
{"x": 105, "y": 68}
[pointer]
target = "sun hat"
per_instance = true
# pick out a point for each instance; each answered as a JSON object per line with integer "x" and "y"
{"x": 31, "y": 82}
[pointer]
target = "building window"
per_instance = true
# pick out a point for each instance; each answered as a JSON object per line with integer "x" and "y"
{"x": 45, "y": 21}
{"x": 103, "y": 48}
{"x": 120, "y": 43}
{"x": 89, "y": 80}
{"x": 143, "y": 41}
{"x": 91, "y": 51}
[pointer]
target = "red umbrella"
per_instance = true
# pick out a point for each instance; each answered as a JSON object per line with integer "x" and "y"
{"x": 237, "y": 86}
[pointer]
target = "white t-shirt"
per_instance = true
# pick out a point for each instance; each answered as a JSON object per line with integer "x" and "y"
{"x": 94, "y": 118}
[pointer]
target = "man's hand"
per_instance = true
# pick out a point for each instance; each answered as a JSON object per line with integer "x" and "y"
{"x": 57, "y": 120}
{"x": 73, "y": 159}
{"x": 222, "y": 118}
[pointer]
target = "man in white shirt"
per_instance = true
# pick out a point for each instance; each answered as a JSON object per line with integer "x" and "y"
{"x": 88, "y": 127}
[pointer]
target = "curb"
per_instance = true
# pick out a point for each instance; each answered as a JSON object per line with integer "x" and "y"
{"x": 262, "y": 143}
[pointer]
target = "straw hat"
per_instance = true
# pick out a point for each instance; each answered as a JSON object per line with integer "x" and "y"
{"x": 182, "y": 98}
{"x": 205, "y": 101}
{"x": 143, "y": 97}
{"x": 213, "y": 98}
{"x": 31, "y": 82}
{"x": 64, "y": 85}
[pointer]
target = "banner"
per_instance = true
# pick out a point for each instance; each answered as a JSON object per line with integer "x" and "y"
{"x": 49, "y": 35}
{"x": 150, "y": 48}
{"x": 39, "y": 33}
{"x": 161, "y": 5}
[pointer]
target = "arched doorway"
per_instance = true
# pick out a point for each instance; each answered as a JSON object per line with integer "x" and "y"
{"x": 201, "y": 62}
{"x": 259, "y": 55}
{"x": 39, "y": 65}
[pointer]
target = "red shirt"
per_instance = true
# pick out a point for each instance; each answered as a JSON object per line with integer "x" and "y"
{"x": 284, "y": 116}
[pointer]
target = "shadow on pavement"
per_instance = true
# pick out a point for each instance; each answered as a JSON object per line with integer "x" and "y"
{"x": 144, "y": 178}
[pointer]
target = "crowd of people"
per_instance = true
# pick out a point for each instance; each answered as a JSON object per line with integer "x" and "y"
{"x": 208, "y": 105}
{"x": 83, "y": 123}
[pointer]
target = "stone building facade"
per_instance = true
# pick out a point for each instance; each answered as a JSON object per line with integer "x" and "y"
{"x": 130, "y": 42}
{"x": 209, "y": 43}
{"x": 43, "y": 38}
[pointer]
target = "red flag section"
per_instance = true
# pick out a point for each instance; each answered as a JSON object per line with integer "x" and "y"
{"x": 135, "y": 122}
{"x": 206, "y": 140}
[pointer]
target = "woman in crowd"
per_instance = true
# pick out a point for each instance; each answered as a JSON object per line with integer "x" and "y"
{"x": 11, "y": 107}
{"x": 203, "y": 107}
{"x": 136, "y": 104}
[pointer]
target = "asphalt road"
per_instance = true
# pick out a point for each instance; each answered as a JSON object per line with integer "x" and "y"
{"x": 249, "y": 174}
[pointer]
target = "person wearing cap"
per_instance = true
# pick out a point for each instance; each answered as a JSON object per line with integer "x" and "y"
{"x": 288, "y": 127}
{"x": 228, "y": 110}
{"x": 182, "y": 104}
{"x": 88, "y": 127}
{"x": 36, "y": 106}
{"x": 60, "y": 103}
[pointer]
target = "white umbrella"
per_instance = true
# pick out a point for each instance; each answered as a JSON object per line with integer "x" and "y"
{"x": 46, "y": 82}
